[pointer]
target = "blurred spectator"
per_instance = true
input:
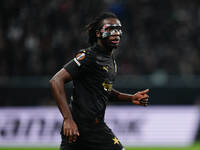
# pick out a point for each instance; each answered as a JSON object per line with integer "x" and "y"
{"x": 158, "y": 35}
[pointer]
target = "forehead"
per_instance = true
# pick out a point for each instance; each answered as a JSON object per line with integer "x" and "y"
{"x": 111, "y": 21}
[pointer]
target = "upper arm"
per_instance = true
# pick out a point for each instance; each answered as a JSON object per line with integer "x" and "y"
{"x": 62, "y": 75}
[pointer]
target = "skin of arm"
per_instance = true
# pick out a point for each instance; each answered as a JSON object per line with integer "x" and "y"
{"x": 57, "y": 83}
{"x": 139, "y": 98}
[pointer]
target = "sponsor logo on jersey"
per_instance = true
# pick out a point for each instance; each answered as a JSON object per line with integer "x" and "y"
{"x": 105, "y": 68}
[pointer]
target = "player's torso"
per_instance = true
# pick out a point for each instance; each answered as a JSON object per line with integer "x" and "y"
{"x": 103, "y": 72}
{"x": 92, "y": 89}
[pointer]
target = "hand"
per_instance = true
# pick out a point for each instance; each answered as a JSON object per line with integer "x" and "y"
{"x": 70, "y": 130}
{"x": 141, "y": 98}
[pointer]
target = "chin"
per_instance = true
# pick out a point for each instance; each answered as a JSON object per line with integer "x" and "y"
{"x": 111, "y": 45}
{"x": 114, "y": 45}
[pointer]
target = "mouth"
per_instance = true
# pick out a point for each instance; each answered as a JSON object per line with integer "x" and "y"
{"x": 115, "y": 41}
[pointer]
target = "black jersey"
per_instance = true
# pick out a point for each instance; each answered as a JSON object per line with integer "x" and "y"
{"x": 93, "y": 71}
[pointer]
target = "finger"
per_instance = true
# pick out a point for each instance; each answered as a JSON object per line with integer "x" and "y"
{"x": 66, "y": 132}
{"x": 144, "y": 102}
{"x": 76, "y": 133}
{"x": 70, "y": 138}
{"x": 70, "y": 133}
{"x": 144, "y": 92}
{"x": 145, "y": 96}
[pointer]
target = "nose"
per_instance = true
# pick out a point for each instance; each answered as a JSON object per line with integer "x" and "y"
{"x": 116, "y": 32}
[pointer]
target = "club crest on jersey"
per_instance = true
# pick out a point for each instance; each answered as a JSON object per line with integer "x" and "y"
{"x": 107, "y": 86}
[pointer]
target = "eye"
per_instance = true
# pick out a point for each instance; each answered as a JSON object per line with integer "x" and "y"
{"x": 111, "y": 28}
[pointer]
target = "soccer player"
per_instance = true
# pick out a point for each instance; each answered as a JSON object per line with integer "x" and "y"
{"x": 92, "y": 71}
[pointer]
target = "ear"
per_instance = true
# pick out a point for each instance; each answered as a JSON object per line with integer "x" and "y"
{"x": 98, "y": 34}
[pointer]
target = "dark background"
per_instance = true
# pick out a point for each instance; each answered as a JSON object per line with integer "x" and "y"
{"x": 159, "y": 48}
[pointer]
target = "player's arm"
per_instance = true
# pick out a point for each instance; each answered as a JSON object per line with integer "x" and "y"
{"x": 139, "y": 98}
{"x": 57, "y": 86}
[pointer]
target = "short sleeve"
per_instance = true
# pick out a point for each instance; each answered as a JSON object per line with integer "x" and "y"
{"x": 79, "y": 64}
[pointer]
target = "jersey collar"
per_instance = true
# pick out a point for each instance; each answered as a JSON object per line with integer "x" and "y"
{"x": 102, "y": 50}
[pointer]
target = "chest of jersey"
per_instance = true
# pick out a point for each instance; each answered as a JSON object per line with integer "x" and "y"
{"x": 106, "y": 67}
{"x": 105, "y": 71}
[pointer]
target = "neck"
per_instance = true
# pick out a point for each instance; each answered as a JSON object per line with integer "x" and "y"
{"x": 107, "y": 49}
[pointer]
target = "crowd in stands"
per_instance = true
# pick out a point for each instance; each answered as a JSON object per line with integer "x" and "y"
{"x": 37, "y": 37}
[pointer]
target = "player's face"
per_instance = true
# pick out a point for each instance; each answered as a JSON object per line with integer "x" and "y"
{"x": 111, "y": 32}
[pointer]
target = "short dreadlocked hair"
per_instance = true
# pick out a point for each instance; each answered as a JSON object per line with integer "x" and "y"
{"x": 95, "y": 25}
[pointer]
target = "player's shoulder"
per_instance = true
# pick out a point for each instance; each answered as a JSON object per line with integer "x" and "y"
{"x": 85, "y": 53}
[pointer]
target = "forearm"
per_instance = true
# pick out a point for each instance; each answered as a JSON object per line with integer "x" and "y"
{"x": 121, "y": 96}
{"x": 58, "y": 91}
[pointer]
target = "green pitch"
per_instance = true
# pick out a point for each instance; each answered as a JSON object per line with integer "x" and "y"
{"x": 196, "y": 146}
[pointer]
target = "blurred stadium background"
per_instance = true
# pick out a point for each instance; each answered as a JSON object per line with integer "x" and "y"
{"x": 160, "y": 50}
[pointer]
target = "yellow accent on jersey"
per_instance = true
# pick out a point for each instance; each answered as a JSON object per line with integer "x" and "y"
{"x": 116, "y": 141}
